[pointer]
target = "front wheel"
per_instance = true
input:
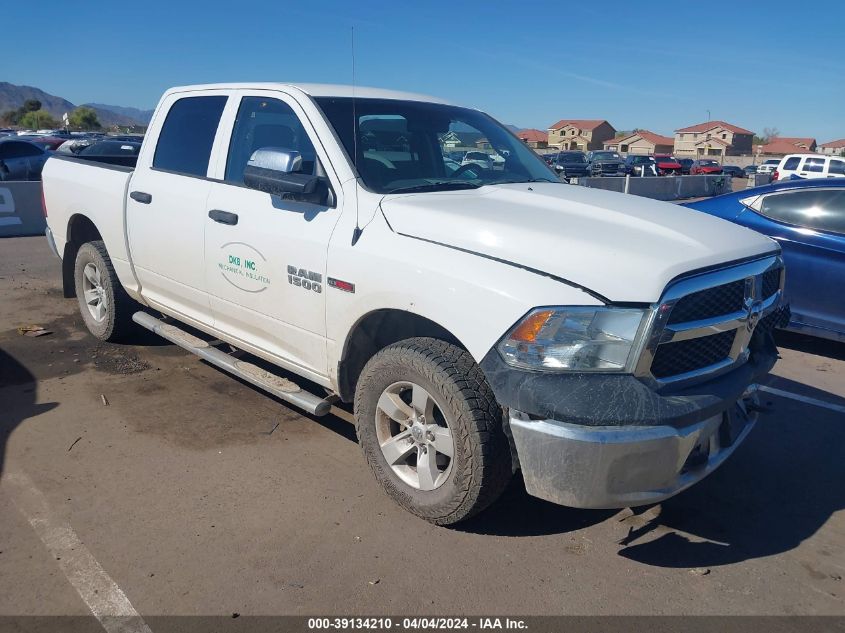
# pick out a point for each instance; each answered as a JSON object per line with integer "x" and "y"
{"x": 431, "y": 430}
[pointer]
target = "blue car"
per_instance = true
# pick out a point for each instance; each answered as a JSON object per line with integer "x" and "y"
{"x": 807, "y": 218}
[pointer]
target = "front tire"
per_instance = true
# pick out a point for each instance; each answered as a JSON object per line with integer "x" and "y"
{"x": 431, "y": 430}
{"x": 104, "y": 305}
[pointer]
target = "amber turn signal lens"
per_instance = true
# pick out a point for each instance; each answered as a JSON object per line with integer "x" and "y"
{"x": 531, "y": 326}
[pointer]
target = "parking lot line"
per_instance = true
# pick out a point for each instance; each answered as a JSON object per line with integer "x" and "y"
{"x": 805, "y": 399}
{"x": 100, "y": 593}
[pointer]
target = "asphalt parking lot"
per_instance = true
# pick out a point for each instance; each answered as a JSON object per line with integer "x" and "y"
{"x": 170, "y": 487}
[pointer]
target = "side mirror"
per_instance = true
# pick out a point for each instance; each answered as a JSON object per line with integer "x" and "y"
{"x": 275, "y": 170}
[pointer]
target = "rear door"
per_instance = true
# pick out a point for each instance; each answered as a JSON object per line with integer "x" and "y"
{"x": 166, "y": 210}
{"x": 265, "y": 255}
{"x": 809, "y": 224}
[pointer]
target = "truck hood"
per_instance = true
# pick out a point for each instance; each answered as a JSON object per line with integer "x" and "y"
{"x": 622, "y": 247}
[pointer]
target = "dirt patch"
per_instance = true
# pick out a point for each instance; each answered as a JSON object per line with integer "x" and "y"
{"x": 117, "y": 360}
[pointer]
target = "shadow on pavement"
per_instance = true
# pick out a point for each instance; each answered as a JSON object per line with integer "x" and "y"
{"x": 776, "y": 491}
{"x": 17, "y": 399}
{"x": 810, "y": 344}
{"x": 517, "y": 513}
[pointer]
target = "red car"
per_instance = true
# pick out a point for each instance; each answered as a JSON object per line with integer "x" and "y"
{"x": 667, "y": 165}
{"x": 705, "y": 167}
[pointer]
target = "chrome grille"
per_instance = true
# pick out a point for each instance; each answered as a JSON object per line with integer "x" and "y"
{"x": 672, "y": 359}
{"x": 709, "y": 303}
{"x": 703, "y": 324}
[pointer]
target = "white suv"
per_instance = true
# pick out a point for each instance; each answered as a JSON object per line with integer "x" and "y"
{"x": 809, "y": 166}
{"x": 768, "y": 167}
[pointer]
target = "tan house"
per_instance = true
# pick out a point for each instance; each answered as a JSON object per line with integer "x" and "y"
{"x": 580, "y": 134}
{"x": 534, "y": 138}
{"x": 641, "y": 142}
{"x": 713, "y": 138}
{"x": 781, "y": 145}
{"x": 832, "y": 148}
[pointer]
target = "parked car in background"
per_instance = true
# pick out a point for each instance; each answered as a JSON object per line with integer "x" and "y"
{"x": 809, "y": 166}
{"x": 570, "y": 164}
{"x": 20, "y": 159}
{"x": 750, "y": 170}
{"x": 705, "y": 166}
{"x": 75, "y": 145}
{"x": 733, "y": 170}
{"x": 686, "y": 165}
{"x": 807, "y": 218}
{"x": 481, "y": 159}
{"x": 605, "y": 163}
{"x": 45, "y": 142}
{"x": 667, "y": 165}
{"x": 769, "y": 166}
{"x": 639, "y": 165}
{"x": 113, "y": 152}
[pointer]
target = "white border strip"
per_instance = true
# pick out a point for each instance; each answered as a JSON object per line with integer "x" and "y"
{"x": 805, "y": 399}
{"x": 96, "y": 588}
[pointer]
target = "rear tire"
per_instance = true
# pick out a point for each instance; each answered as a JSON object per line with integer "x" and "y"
{"x": 431, "y": 430}
{"x": 104, "y": 305}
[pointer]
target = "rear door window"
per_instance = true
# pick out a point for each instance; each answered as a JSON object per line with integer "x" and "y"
{"x": 820, "y": 209}
{"x": 815, "y": 165}
{"x": 187, "y": 136}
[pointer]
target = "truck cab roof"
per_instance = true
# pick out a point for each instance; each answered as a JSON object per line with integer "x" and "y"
{"x": 315, "y": 90}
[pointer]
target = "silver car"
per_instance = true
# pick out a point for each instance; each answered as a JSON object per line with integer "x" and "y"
{"x": 21, "y": 160}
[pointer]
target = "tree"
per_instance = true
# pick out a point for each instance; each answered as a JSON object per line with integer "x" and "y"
{"x": 31, "y": 105}
{"x": 37, "y": 119}
{"x": 770, "y": 133}
{"x": 84, "y": 118}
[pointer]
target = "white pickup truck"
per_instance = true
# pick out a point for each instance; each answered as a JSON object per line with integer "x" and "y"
{"x": 481, "y": 320}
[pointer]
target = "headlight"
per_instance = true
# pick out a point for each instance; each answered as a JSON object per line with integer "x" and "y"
{"x": 574, "y": 339}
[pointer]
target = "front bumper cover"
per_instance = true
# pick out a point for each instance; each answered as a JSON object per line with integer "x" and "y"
{"x": 593, "y": 440}
{"x": 618, "y": 467}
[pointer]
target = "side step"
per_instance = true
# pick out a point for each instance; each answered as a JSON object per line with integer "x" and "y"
{"x": 278, "y": 386}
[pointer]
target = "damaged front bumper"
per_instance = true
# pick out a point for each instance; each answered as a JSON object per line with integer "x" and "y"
{"x": 618, "y": 467}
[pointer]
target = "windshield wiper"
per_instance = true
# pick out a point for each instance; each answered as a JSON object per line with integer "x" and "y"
{"x": 517, "y": 182}
{"x": 445, "y": 185}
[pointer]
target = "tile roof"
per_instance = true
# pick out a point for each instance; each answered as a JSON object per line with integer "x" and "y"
{"x": 709, "y": 125}
{"x": 583, "y": 124}
{"x": 783, "y": 145}
{"x": 839, "y": 143}
{"x": 532, "y": 135}
{"x": 651, "y": 137}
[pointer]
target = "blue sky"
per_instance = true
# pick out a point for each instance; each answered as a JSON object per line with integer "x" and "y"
{"x": 654, "y": 65}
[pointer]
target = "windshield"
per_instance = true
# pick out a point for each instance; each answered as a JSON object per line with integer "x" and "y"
{"x": 412, "y": 145}
{"x": 574, "y": 157}
{"x": 606, "y": 156}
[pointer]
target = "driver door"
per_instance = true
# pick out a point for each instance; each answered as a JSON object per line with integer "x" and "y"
{"x": 265, "y": 255}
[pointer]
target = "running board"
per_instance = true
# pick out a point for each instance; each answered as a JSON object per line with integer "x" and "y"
{"x": 253, "y": 374}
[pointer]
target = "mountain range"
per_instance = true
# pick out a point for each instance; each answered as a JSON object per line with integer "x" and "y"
{"x": 13, "y": 96}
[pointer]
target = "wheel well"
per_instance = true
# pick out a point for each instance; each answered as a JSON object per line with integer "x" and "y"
{"x": 376, "y": 331}
{"x": 80, "y": 230}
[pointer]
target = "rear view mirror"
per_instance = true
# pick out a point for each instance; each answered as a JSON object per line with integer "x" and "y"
{"x": 275, "y": 170}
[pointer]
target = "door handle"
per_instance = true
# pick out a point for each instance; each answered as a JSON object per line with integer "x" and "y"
{"x": 140, "y": 196}
{"x": 223, "y": 217}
